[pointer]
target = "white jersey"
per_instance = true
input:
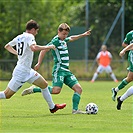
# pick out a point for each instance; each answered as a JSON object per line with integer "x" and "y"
{"x": 25, "y": 54}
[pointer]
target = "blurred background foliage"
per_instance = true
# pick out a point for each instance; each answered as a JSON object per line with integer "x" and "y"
{"x": 49, "y": 14}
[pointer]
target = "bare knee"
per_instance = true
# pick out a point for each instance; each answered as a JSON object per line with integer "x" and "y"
{"x": 129, "y": 79}
{"x": 9, "y": 93}
{"x": 56, "y": 90}
{"x": 8, "y": 96}
{"x": 77, "y": 88}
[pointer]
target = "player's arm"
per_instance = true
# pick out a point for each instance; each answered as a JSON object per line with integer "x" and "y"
{"x": 97, "y": 60}
{"x": 129, "y": 47}
{"x": 35, "y": 47}
{"x": 10, "y": 49}
{"x": 42, "y": 54}
{"x": 40, "y": 59}
{"x": 124, "y": 45}
{"x": 76, "y": 37}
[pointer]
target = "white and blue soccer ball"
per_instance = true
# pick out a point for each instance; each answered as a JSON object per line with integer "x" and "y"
{"x": 91, "y": 108}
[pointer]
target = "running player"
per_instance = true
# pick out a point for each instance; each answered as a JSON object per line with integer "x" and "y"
{"x": 104, "y": 60}
{"x": 129, "y": 92}
{"x": 25, "y": 47}
{"x": 61, "y": 73}
{"x": 128, "y": 40}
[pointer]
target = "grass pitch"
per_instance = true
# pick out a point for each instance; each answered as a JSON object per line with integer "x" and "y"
{"x": 30, "y": 114}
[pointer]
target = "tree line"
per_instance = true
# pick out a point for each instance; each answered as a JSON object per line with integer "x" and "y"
{"x": 49, "y": 14}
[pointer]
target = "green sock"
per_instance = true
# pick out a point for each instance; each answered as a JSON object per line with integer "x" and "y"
{"x": 37, "y": 89}
{"x": 122, "y": 84}
{"x": 50, "y": 89}
{"x": 75, "y": 100}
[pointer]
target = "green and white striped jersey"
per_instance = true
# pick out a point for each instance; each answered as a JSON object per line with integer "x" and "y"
{"x": 129, "y": 38}
{"x": 60, "y": 55}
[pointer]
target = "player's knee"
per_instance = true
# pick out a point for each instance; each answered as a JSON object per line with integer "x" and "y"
{"x": 78, "y": 90}
{"x": 8, "y": 96}
{"x": 45, "y": 84}
{"x": 129, "y": 79}
{"x": 56, "y": 90}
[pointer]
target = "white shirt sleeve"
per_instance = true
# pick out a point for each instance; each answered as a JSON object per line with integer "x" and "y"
{"x": 13, "y": 42}
{"x": 98, "y": 55}
{"x": 109, "y": 54}
{"x": 31, "y": 40}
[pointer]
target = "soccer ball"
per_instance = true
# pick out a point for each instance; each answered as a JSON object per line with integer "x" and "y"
{"x": 91, "y": 108}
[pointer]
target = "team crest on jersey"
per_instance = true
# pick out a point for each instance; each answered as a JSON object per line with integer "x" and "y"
{"x": 63, "y": 45}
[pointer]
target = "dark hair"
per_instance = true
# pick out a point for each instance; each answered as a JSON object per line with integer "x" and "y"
{"x": 32, "y": 24}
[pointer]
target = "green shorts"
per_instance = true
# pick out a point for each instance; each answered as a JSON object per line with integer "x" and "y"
{"x": 130, "y": 60}
{"x": 65, "y": 77}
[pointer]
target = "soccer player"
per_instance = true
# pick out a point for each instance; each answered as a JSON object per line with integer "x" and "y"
{"x": 61, "y": 73}
{"x": 104, "y": 60}
{"x": 25, "y": 46}
{"x": 129, "y": 92}
{"x": 128, "y": 40}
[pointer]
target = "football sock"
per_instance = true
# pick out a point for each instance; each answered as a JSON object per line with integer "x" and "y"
{"x": 47, "y": 96}
{"x": 37, "y": 89}
{"x": 75, "y": 100}
{"x": 2, "y": 95}
{"x": 50, "y": 89}
{"x": 94, "y": 76}
{"x": 127, "y": 94}
{"x": 122, "y": 85}
{"x": 113, "y": 77}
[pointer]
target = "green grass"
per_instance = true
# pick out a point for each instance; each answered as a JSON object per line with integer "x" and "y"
{"x": 30, "y": 113}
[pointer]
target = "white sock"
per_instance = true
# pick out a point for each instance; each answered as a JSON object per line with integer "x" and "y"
{"x": 116, "y": 89}
{"x": 47, "y": 96}
{"x": 95, "y": 76}
{"x": 127, "y": 94}
{"x": 2, "y": 95}
{"x": 113, "y": 76}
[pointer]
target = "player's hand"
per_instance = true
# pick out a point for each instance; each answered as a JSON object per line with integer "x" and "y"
{"x": 88, "y": 32}
{"x": 37, "y": 66}
{"x": 122, "y": 53}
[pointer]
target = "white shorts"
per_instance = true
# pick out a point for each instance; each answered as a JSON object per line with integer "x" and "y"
{"x": 101, "y": 68}
{"x": 20, "y": 77}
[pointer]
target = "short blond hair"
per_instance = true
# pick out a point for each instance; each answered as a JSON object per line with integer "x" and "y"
{"x": 64, "y": 26}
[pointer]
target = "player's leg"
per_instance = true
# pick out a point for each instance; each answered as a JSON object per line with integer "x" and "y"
{"x": 99, "y": 70}
{"x": 57, "y": 84}
{"x": 124, "y": 82}
{"x": 12, "y": 87}
{"x": 72, "y": 82}
{"x": 6, "y": 94}
{"x": 39, "y": 81}
{"x": 127, "y": 94}
{"x": 112, "y": 75}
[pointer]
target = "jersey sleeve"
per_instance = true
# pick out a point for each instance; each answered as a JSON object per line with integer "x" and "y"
{"x": 109, "y": 54}
{"x": 50, "y": 43}
{"x": 31, "y": 40}
{"x": 128, "y": 38}
{"x": 98, "y": 55}
{"x": 13, "y": 42}
{"x": 67, "y": 39}
{"x": 54, "y": 42}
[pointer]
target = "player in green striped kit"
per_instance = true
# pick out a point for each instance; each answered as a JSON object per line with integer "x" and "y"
{"x": 61, "y": 73}
{"x": 128, "y": 40}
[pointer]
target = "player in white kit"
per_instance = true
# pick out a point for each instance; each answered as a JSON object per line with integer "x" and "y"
{"x": 25, "y": 46}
